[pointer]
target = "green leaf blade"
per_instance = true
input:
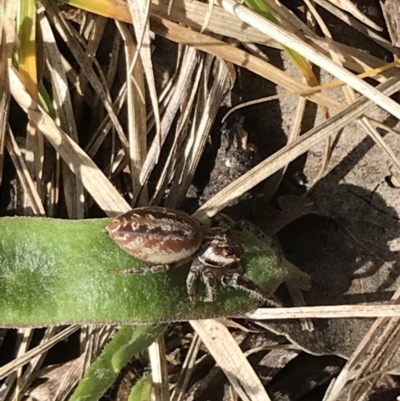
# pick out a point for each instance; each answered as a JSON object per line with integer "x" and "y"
{"x": 129, "y": 341}
{"x": 55, "y": 272}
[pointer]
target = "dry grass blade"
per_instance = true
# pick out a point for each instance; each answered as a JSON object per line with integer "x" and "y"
{"x": 294, "y": 134}
{"x": 284, "y": 156}
{"x": 27, "y": 67}
{"x": 220, "y": 49}
{"x": 182, "y": 147}
{"x": 106, "y": 125}
{"x": 325, "y": 312}
{"x": 348, "y": 92}
{"x": 80, "y": 56}
{"x": 230, "y": 359}
{"x": 94, "y": 181}
{"x": 190, "y": 13}
{"x": 25, "y": 334}
{"x": 205, "y": 113}
{"x": 348, "y": 6}
{"x": 292, "y": 41}
{"x": 351, "y": 98}
{"x": 208, "y": 16}
{"x": 23, "y": 175}
{"x": 19, "y": 362}
{"x": 137, "y": 111}
{"x": 65, "y": 116}
{"x": 57, "y": 382}
{"x": 187, "y": 369}
{"x": 89, "y": 37}
{"x": 354, "y": 59}
{"x": 141, "y": 10}
{"x": 374, "y": 351}
{"x": 28, "y": 373}
{"x": 348, "y": 19}
{"x": 4, "y": 87}
{"x": 182, "y": 85}
{"x": 381, "y": 354}
{"x": 159, "y": 371}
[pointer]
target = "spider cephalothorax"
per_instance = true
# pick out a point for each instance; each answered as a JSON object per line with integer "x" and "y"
{"x": 217, "y": 259}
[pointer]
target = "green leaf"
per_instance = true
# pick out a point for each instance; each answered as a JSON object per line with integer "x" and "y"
{"x": 142, "y": 390}
{"x": 55, "y": 272}
{"x": 129, "y": 341}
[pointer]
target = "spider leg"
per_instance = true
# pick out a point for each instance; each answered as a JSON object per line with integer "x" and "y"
{"x": 210, "y": 282}
{"x": 143, "y": 270}
{"x": 193, "y": 275}
{"x": 159, "y": 268}
{"x": 237, "y": 281}
{"x": 198, "y": 270}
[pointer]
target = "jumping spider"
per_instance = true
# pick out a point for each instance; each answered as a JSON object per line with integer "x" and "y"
{"x": 169, "y": 238}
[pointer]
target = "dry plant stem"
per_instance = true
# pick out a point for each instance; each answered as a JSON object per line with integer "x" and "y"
{"x": 4, "y": 91}
{"x": 70, "y": 379}
{"x": 238, "y": 57}
{"x": 183, "y": 84}
{"x": 383, "y": 126}
{"x": 380, "y": 343}
{"x": 113, "y": 66}
{"x": 333, "y": 54}
{"x": 95, "y": 338}
{"x": 291, "y": 151}
{"x": 293, "y": 135}
{"x": 191, "y": 13}
{"x": 208, "y": 16}
{"x": 105, "y": 126}
{"x": 137, "y": 111}
{"x": 187, "y": 369}
{"x": 349, "y": 20}
{"x": 325, "y": 312}
{"x": 390, "y": 10}
{"x": 199, "y": 135}
{"x": 21, "y": 361}
{"x": 363, "y": 63}
{"x": 288, "y": 39}
{"x": 173, "y": 166}
{"x": 80, "y": 56}
{"x": 141, "y": 10}
{"x": 28, "y": 69}
{"x": 23, "y": 175}
{"x": 382, "y": 353}
{"x": 159, "y": 371}
{"x": 91, "y": 30}
{"x": 7, "y": 386}
{"x": 94, "y": 181}
{"x": 230, "y": 359}
{"x": 25, "y": 335}
{"x": 34, "y": 364}
{"x": 298, "y": 301}
{"x": 351, "y": 98}
{"x": 348, "y": 6}
{"x": 73, "y": 188}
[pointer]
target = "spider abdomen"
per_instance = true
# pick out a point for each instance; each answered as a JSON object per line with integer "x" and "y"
{"x": 156, "y": 234}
